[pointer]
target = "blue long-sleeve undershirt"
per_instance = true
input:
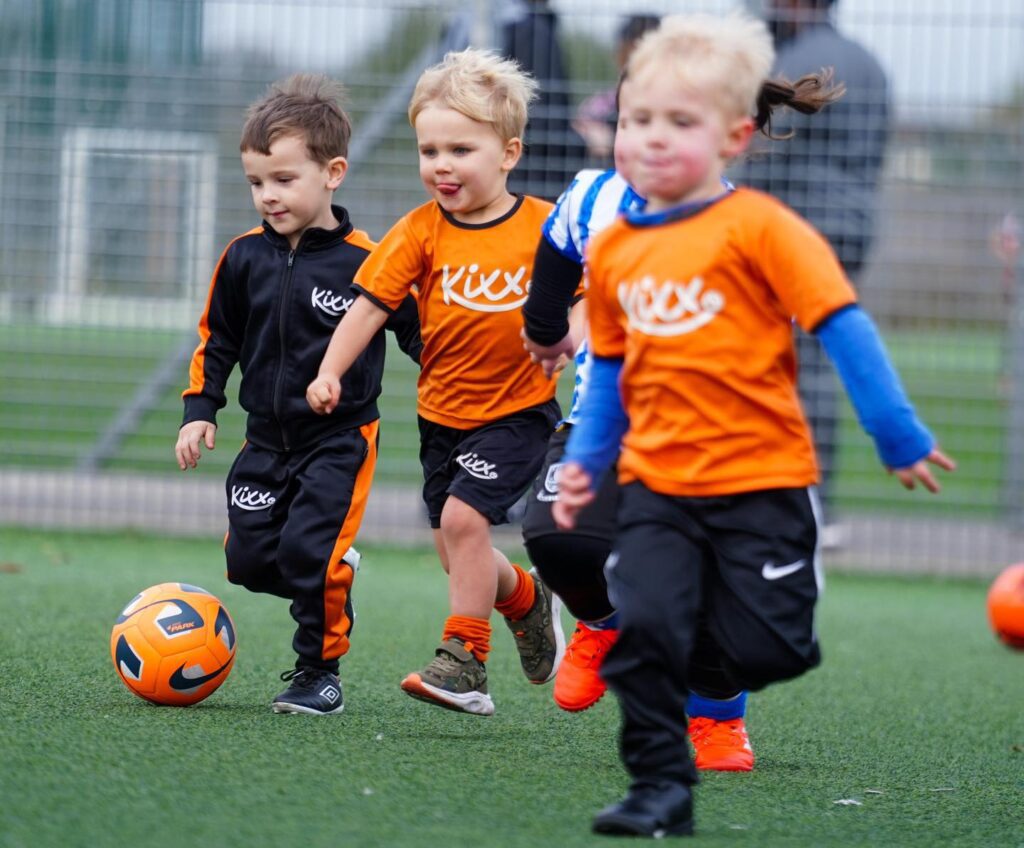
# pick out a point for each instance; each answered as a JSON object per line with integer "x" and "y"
{"x": 594, "y": 442}
{"x": 855, "y": 347}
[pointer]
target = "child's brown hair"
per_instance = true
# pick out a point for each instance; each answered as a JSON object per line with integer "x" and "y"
{"x": 304, "y": 105}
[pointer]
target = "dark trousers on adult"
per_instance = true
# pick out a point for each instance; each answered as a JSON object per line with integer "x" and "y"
{"x": 293, "y": 516}
{"x": 746, "y": 567}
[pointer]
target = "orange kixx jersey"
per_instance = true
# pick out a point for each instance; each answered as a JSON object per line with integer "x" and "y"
{"x": 472, "y": 282}
{"x": 701, "y": 309}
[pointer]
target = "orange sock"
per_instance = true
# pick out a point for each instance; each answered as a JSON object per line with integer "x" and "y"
{"x": 474, "y": 632}
{"x": 520, "y": 601}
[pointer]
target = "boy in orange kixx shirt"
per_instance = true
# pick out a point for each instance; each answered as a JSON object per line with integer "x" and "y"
{"x": 485, "y": 411}
{"x": 692, "y": 303}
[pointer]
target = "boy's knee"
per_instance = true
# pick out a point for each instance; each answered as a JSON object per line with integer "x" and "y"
{"x": 458, "y": 518}
{"x": 572, "y": 567}
{"x": 252, "y": 571}
{"x": 295, "y": 551}
{"x": 241, "y": 568}
{"x": 647, "y": 617}
{"x": 265, "y": 581}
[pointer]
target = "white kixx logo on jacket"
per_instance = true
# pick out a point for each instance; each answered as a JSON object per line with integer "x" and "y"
{"x": 331, "y": 303}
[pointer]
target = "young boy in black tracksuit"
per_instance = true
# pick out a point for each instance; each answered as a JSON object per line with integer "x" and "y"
{"x": 298, "y": 488}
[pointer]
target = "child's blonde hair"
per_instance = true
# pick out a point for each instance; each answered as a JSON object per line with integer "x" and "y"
{"x": 728, "y": 56}
{"x": 731, "y": 57}
{"x": 305, "y": 105}
{"x": 482, "y": 86}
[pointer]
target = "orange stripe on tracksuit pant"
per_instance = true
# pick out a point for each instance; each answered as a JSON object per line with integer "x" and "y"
{"x": 338, "y": 582}
{"x": 292, "y": 516}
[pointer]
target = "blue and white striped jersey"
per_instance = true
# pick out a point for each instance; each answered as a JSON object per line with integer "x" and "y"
{"x": 593, "y": 200}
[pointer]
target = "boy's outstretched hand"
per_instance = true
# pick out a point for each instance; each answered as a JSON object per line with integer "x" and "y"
{"x": 574, "y": 494}
{"x": 323, "y": 394}
{"x": 190, "y": 437}
{"x": 920, "y": 471}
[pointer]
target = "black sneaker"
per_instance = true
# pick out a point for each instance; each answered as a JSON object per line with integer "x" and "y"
{"x": 655, "y": 809}
{"x": 313, "y": 691}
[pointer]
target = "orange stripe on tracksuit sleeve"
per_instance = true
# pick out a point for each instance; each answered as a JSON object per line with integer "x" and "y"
{"x": 338, "y": 580}
{"x": 196, "y": 370}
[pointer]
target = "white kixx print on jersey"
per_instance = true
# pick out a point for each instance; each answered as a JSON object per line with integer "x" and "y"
{"x": 331, "y": 303}
{"x": 249, "y": 499}
{"x": 484, "y": 292}
{"x": 669, "y": 308}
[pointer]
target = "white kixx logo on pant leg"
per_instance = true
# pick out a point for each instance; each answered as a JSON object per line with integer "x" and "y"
{"x": 251, "y": 500}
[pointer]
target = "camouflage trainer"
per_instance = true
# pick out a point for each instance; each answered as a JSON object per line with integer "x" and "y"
{"x": 454, "y": 679}
{"x": 539, "y": 637}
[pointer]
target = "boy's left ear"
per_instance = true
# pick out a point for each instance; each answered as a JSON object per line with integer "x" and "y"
{"x": 336, "y": 170}
{"x": 513, "y": 151}
{"x": 737, "y": 137}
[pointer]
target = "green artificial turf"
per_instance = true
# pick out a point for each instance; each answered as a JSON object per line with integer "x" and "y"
{"x": 916, "y": 714}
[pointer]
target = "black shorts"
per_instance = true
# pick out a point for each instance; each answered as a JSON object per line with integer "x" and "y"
{"x": 597, "y": 521}
{"x": 488, "y": 467}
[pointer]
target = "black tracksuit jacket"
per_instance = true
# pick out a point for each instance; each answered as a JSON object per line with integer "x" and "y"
{"x": 272, "y": 310}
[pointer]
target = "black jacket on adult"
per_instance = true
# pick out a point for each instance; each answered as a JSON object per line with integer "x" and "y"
{"x": 272, "y": 310}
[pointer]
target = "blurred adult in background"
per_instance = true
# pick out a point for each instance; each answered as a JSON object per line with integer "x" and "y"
{"x": 554, "y": 151}
{"x": 828, "y": 171}
{"x": 596, "y": 116}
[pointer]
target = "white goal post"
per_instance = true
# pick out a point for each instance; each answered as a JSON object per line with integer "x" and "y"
{"x": 118, "y": 184}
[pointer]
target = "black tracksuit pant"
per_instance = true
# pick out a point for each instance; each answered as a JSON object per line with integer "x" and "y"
{"x": 293, "y": 515}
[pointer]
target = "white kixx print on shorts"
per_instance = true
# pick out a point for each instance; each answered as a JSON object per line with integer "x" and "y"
{"x": 478, "y": 467}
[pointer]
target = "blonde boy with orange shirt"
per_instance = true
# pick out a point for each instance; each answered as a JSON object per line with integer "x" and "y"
{"x": 692, "y": 304}
{"x": 485, "y": 410}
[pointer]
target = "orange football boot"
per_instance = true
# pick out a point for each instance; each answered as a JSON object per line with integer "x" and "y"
{"x": 578, "y": 685}
{"x": 721, "y": 745}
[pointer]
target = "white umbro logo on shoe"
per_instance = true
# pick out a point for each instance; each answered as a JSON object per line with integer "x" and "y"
{"x": 330, "y": 692}
{"x": 771, "y": 571}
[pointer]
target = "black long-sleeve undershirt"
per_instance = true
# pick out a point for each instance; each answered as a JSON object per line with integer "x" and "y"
{"x": 554, "y": 283}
